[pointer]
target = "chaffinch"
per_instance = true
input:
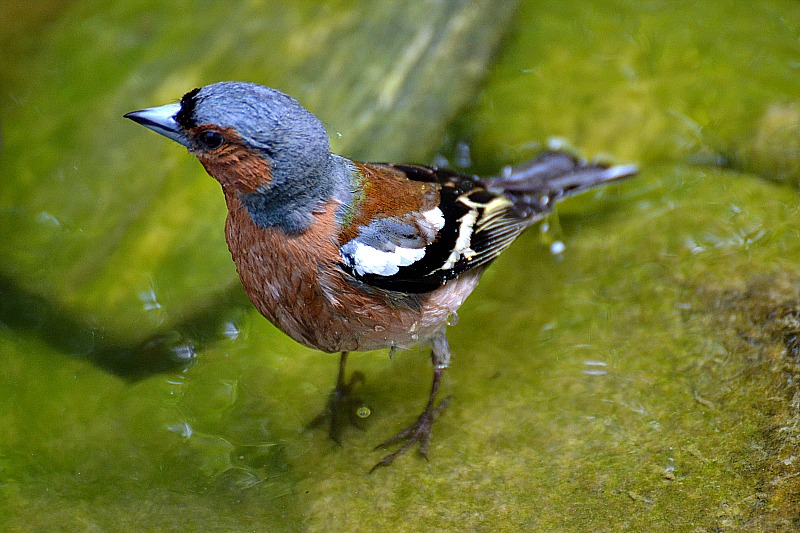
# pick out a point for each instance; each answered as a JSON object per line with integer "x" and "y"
{"x": 342, "y": 255}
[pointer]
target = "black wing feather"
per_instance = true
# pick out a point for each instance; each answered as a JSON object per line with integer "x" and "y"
{"x": 460, "y": 196}
{"x": 497, "y": 210}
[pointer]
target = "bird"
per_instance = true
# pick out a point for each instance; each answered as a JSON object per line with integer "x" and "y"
{"x": 347, "y": 256}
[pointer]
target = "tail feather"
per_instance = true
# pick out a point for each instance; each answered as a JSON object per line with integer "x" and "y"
{"x": 536, "y": 185}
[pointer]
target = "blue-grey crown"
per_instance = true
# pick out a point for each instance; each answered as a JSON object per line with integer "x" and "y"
{"x": 265, "y": 118}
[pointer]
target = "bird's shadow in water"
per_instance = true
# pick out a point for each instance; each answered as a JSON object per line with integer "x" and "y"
{"x": 73, "y": 333}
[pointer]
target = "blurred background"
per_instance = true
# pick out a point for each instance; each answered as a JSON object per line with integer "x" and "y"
{"x": 645, "y": 378}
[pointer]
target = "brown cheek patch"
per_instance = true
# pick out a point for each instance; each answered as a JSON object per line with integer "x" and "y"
{"x": 388, "y": 193}
{"x": 234, "y": 165}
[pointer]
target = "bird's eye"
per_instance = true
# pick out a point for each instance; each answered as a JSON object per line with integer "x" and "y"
{"x": 210, "y": 139}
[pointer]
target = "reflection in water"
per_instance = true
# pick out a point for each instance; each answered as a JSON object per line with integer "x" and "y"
{"x": 595, "y": 368}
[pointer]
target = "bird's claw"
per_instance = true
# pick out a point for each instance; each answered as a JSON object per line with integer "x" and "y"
{"x": 417, "y": 433}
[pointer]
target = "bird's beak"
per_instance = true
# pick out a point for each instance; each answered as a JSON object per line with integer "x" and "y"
{"x": 161, "y": 120}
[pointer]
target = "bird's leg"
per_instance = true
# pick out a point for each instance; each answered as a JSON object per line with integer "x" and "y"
{"x": 342, "y": 406}
{"x": 420, "y": 431}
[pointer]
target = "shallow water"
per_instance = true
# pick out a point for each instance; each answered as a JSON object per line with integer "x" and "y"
{"x": 643, "y": 379}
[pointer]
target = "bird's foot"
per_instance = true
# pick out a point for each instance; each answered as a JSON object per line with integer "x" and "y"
{"x": 418, "y": 433}
{"x": 342, "y": 409}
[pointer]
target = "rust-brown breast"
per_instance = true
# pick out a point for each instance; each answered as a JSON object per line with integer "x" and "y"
{"x": 295, "y": 282}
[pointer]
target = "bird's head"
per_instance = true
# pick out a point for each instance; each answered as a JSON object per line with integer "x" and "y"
{"x": 259, "y": 143}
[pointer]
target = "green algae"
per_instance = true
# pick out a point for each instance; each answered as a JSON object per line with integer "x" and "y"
{"x": 654, "y": 82}
{"x": 644, "y": 379}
